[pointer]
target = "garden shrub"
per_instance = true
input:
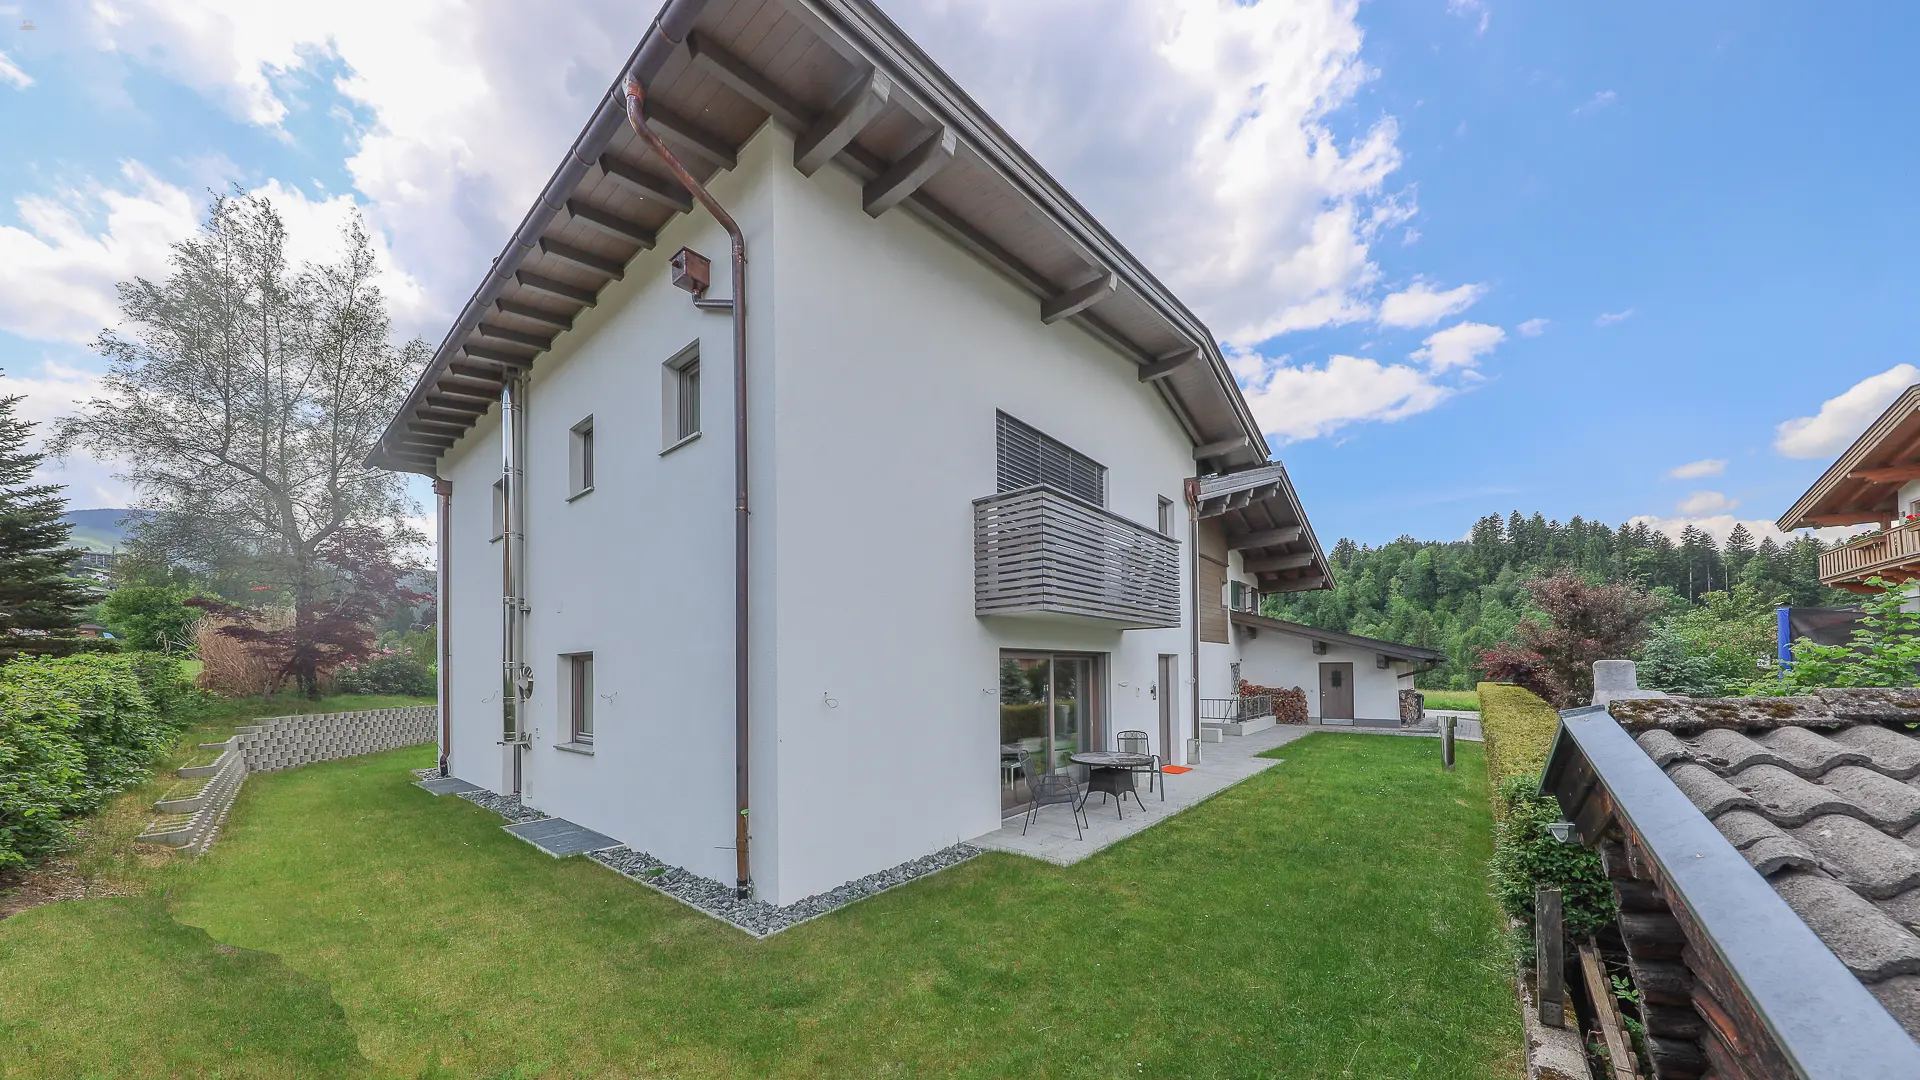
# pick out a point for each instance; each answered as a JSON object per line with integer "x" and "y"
{"x": 1519, "y": 729}
{"x": 389, "y": 671}
{"x": 1526, "y": 854}
{"x": 73, "y": 730}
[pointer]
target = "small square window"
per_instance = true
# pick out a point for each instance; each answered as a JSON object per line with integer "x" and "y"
{"x": 1166, "y": 517}
{"x": 580, "y": 696}
{"x": 499, "y": 508}
{"x": 680, "y": 397}
{"x": 580, "y": 459}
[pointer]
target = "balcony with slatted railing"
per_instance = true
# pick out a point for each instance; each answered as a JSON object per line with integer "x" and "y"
{"x": 1039, "y": 552}
{"x": 1894, "y": 553}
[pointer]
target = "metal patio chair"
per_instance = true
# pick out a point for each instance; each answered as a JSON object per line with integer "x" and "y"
{"x": 1135, "y": 742}
{"x": 1050, "y": 789}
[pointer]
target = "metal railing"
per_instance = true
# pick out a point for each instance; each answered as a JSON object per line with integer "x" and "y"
{"x": 1235, "y": 710}
{"x": 1862, "y": 558}
{"x": 1040, "y": 551}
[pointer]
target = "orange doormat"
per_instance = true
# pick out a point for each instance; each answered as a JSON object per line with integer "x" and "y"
{"x": 1175, "y": 769}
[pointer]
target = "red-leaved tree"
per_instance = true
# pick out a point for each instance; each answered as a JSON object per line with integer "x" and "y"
{"x": 1584, "y": 622}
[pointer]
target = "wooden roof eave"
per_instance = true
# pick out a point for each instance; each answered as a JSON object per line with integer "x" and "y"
{"x": 1836, "y": 493}
{"x": 1814, "y": 1010}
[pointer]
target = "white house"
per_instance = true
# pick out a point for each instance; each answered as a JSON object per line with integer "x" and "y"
{"x": 789, "y": 615}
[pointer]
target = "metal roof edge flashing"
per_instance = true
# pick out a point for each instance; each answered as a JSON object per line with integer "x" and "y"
{"x": 1826, "y": 1023}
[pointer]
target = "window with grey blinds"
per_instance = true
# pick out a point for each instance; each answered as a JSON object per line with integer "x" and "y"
{"x": 1026, "y": 457}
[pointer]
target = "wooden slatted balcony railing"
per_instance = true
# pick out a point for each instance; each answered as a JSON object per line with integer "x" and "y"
{"x": 1897, "y": 549}
{"x": 1039, "y": 551}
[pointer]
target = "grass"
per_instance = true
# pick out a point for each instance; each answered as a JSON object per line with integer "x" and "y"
{"x": 1327, "y": 918}
{"x": 1453, "y": 700}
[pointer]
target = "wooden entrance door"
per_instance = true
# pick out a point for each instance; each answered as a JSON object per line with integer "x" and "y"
{"x": 1336, "y": 691}
{"x": 1169, "y": 696}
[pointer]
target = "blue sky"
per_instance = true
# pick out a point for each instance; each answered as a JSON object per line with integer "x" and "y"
{"x": 1467, "y": 256}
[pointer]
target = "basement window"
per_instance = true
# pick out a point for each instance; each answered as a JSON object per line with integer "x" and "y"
{"x": 680, "y": 398}
{"x": 580, "y": 459}
{"x": 579, "y": 676}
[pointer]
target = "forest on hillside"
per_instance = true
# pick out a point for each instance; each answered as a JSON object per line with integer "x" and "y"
{"x": 1463, "y": 596}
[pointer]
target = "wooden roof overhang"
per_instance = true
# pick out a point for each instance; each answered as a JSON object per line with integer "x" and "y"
{"x": 1259, "y": 512}
{"x": 854, "y": 89}
{"x": 1761, "y": 981}
{"x": 1393, "y": 649}
{"x": 1864, "y": 484}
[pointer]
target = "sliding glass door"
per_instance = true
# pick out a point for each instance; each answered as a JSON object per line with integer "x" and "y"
{"x": 1049, "y": 705}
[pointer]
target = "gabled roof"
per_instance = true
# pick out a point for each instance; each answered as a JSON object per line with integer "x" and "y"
{"x": 1260, "y": 514}
{"x": 855, "y": 90}
{"x": 1302, "y": 630}
{"x": 1864, "y": 484}
{"x": 1781, "y": 833}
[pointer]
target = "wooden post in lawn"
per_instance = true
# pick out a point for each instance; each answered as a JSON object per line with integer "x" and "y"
{"x": 1550, "y": 965}
{"x": 1446, "y": 742}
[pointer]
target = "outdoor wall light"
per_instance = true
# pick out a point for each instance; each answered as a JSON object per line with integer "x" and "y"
{"x": 1565, "y": 831}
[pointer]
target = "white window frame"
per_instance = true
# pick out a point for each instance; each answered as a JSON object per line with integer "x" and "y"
{"x": 1166, "y": 519}
{"x": 577, "y": 676}
{"x": 680, "y": 420}
{"x": 580, "y": 459}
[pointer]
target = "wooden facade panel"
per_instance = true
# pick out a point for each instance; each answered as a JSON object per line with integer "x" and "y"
{"x": 1213, "y": 606}
{"x": 1213, "y": 541}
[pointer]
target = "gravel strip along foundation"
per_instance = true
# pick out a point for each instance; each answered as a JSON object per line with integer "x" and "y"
{"x": 710, "y": 897}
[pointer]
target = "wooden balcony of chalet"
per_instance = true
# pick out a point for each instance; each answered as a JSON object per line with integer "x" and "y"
{"x": 1039, "y": 552}
{"x": 1893, "y": 554}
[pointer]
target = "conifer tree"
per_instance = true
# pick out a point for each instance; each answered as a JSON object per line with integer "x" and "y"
{"x": 35, "y": 591}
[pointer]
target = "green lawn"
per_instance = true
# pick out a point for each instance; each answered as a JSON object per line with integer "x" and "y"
{"x": 1327, "y": 918}
{"x": 1455, "y": 700}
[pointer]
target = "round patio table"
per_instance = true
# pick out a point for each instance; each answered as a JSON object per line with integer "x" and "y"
{"x": 1111, "y": 772}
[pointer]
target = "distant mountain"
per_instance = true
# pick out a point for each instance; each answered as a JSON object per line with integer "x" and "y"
{"x": 101, "y": 530}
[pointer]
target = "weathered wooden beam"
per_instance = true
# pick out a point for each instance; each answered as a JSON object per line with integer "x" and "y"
{"x": 1620, "y": 1058}
{"x": 847, "y": 118}
{"x": 658, "y": 188}
{"x": 1168, "y": 364}
{"x": 1239, "y": 499}
{"x": 426, "y": 440}
{"x": 457, "y": 401}
{"x": 517, "y": 337}
{"x": 1298, "y": 561}
{"x": 605, "y": 221}
{"x": 556, "y": 288}
{"x": 692, "y": 137}
{"x": 1215, "y": 449}
{"x": 1079, "y": 298}
{"x": 1851, "y": 517}
{"x": 915, "y": 167}
{"x": 790, "y": 111}
{"x": 1299, "y": 584}
{"x": 586, "y": 260}
{"x": 425, "y": 424}
{"x": 1890, "y": 474}
{"x": 494, "y": 356}
{"x": 1264, "y": 538}
{"x": 539, "y": 315}
{"x": 475, "y": 373}
{"x": 451, "y": 383}
{"x": 1550, "y": 964}
{"x": 461, "y": 416}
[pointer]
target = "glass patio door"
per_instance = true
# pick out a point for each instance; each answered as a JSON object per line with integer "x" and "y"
{"x": 1047, "y": 705}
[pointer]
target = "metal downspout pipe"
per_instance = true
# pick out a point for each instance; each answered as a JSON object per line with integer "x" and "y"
{"x": 443, "y": 512}
{"x": 1192, "y": 486}
{"x": 516, "y": 677}
{"x": 636, "y": 104}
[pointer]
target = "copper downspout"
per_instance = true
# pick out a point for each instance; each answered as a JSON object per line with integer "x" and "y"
{"x": 443, "y": 499}
{"x": 1192, "y": 486}
{"x": 636, "y": 104}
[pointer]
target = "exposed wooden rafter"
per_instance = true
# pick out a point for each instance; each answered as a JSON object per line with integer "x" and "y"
{"x": 692, "y": 137}
{"x": 916, "y": 167}
{"x": 517, "y": 337}
{"x": 862, "y": 102}
{"x": 1280, "y": 562}
{"x": 658, "y": 188}
{"x": 1168, "y": 364}
{"x": 790, "y": 111}
{"x": 1300, "y": 584}
{"x": 586, "y": 260}
{"x": 1215, "y": 449}
{"x": 495, "y": 356}
{"x": 606, "y": 221}
{"x": 1852, "y": 517}
{"x": 556, "y": 288}
{"x": 1887, "y": 474}
{"x": 1264, "y": 538}
{"x": 527, "y": 311}
{"x": 1079, "y": 298}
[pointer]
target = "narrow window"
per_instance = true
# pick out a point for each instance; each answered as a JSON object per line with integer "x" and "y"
{"x": 1166, "y": 517}
{"x": 580, "y": 458}
{"x": 499, "y": 508}
{"x": 580, "y": 696}
{"x": 680, "y": 397}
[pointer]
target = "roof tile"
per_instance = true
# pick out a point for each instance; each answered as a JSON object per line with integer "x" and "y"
{"x": 1809, "y": 754}
{"x": 1893, "y": 753}
{"x": 1905, "y": 908}
{"x": 1901, "y": 996}
{"x": 1728, "y": 751}
{"x": 1866, "y": 939}
{"x": 1861, "y": 856}
{"x": 1707, "y": 790}
{"x": 1663, "y": 746}
{"x": 1785, "y": 798}
{"x": 1765, "y": 845}
{"x": 1882, "y": 800}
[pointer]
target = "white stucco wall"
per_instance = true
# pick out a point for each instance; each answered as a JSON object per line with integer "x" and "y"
{"x": 1275, "y": 659}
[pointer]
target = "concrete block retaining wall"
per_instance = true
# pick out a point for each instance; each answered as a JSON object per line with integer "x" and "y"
{"x": 283, "y": 742}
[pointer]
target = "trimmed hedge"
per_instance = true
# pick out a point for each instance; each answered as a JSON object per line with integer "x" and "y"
{"x": 73, "y": 731}
{"x": 1518, "y": 728}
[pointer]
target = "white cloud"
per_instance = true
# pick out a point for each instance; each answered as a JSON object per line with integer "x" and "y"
{"x": 1471, "y": 9}
{"x": 51, "y": 393}
{"x": 1703, "y": 503}
{"x": 58, "y": 268}
{"x": 1608, "y": 318}
{"x": 1717, "y": 524}
{"x": 1841, "y": 419}
{"x": 1420, "y": 305}
{"x": 1294, "y": 402}
{"x": 11, "y": 74}
{"x": 1695, "y": 469}
{"x": 469, "y": 107}
{"x": 1459, "y": 346}
{"x": 1533, "y": 327}
{"x": 1597, "y": 102}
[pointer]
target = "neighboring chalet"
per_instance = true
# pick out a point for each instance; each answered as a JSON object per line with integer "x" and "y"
{"x": 774, "y": 584}
{"x": 1765, "y": 854}
{"x": 1877, "y": 481}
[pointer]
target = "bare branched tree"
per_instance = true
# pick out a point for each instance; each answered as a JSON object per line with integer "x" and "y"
{"x": 242, "y": 399}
